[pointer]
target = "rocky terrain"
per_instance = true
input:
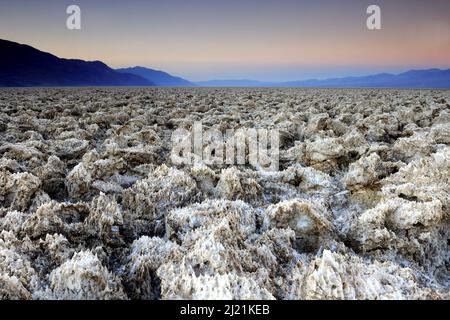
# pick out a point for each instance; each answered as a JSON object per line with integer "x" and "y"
{"x": 91, "y": 206}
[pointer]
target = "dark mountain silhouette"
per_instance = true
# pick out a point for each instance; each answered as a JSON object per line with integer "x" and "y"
{"x": 24, "y": 66}
{"x": 430, "y": 78}
{"x": 159, "y": 78}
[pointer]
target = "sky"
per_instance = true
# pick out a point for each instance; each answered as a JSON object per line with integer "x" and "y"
{"x": 267, "y": 40}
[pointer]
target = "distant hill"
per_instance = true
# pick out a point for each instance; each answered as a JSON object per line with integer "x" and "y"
{"x": 430, "y": 78}
{"x": 159, "y": 78}
{"x": 24, "y": 66}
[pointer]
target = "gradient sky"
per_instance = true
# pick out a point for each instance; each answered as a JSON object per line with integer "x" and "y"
{"x": 270, "y": 40}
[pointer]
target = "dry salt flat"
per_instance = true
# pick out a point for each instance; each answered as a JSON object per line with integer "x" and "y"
{"x": 92, "y": 207}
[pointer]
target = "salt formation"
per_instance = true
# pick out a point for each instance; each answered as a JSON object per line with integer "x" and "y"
{"x": 337, "y": 276}
{"x": 148, "y": 200}
{"x": 105, "y": 218}
{"x": 18, "y": 278}
{"x": 83, "y": 277}
{"x": 92, "y": 206}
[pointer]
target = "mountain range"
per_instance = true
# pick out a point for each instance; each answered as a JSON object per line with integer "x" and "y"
{"x": 430, "y": 78}
{"x": 24, "y": 66}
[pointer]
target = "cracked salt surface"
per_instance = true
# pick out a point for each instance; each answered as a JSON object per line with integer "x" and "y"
{"x": 91, "y": 206}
